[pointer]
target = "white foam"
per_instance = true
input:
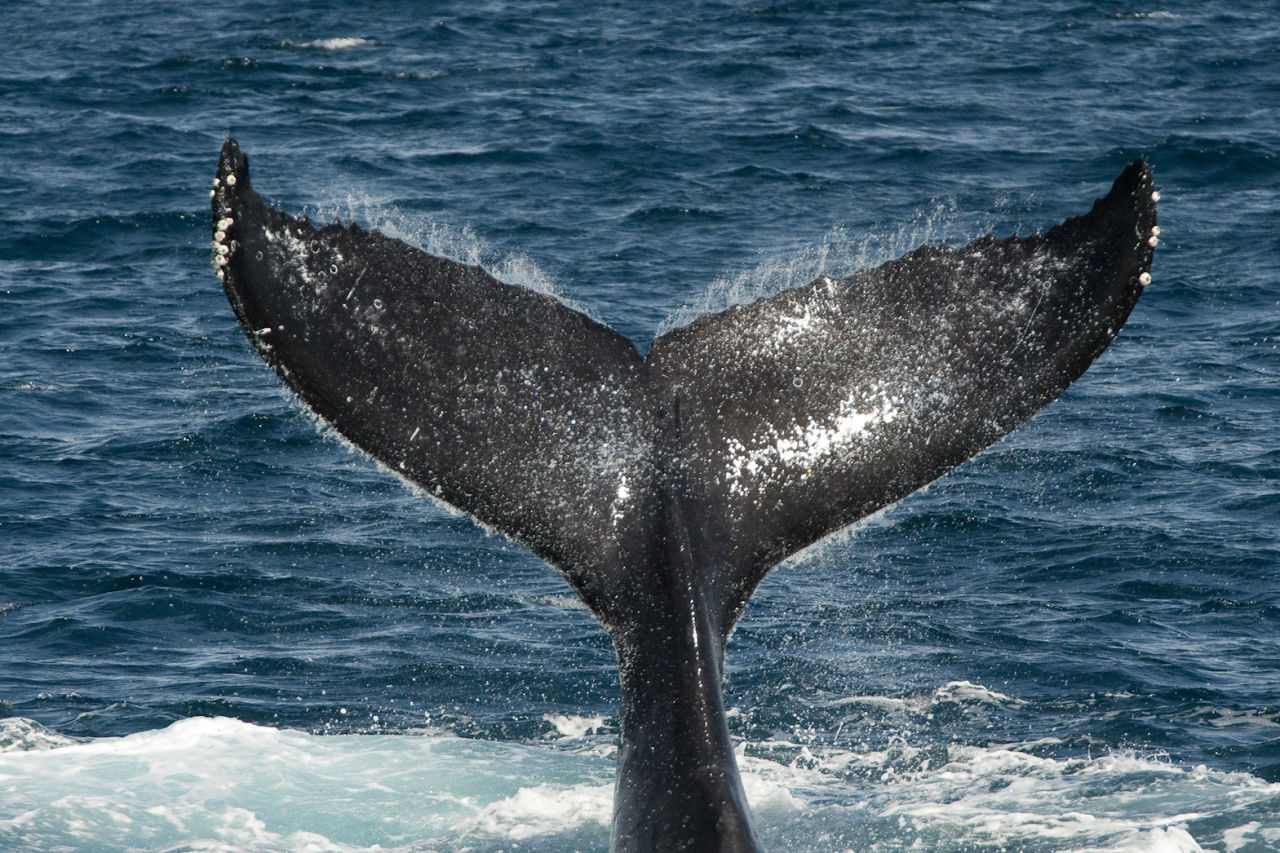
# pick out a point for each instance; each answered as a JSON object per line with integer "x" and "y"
{"x": 571, "y": 726}
{"x": 1173, "y": 839}
{"x": 960, "y": 692}
{"x": 979, "y": 796}
{"x": 336, "y": 43}
{"x": 219, "y": 784}
{"x": 542, "y": 810}
{"x": 1253, "y": 832}
{"x": 21, "y": 735}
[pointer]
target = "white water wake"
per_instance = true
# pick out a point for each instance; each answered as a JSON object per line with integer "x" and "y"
{"x": 217, "y": 784}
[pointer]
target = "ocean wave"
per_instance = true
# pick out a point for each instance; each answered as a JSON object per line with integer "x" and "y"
{"x": 217, "y": 783}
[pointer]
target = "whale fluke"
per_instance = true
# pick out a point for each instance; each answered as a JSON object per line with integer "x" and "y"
{"x": 664, "y": 488}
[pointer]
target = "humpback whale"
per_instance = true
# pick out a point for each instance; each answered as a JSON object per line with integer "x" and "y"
{"x": 665, "y": 487}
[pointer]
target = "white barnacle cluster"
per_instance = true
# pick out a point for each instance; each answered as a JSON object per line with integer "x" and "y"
{"x": 221, "y": 245}
{"x": 1155, "y": 229}
{"x": 1153, "y": 240}
{"x": 801, "y": 446}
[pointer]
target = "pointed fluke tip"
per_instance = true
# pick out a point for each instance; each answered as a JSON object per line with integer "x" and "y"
{"x": 233, "y": 172}
{"x": 1136, "y": 185}
{"x": 230, "y": 183}
{"x": 1143, "y": 185}
{"x": 1130, "y": 208}
{"x": 1137, "y": 181}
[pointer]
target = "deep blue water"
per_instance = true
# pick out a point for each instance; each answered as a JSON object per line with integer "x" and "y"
{"x": 1071, "y": 642}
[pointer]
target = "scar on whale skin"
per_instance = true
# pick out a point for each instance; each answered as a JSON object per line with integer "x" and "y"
{"x": 665, "y": 487}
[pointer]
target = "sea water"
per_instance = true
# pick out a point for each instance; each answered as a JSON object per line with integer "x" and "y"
{"x": 221, "y": 629}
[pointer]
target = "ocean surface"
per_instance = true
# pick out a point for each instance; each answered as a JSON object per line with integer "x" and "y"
{"x": 221, "y": 629}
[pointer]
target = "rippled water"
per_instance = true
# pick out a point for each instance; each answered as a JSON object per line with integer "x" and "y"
{"x": 221, "y": 629}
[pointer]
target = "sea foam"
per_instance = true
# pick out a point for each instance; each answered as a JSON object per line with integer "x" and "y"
{"x": 221, "y": 784}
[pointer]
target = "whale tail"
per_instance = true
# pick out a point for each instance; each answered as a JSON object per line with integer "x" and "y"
{"x": 666, "y": 487}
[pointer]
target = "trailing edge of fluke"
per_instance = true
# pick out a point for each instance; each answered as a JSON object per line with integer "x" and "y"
{"x": 665, "y": 487}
